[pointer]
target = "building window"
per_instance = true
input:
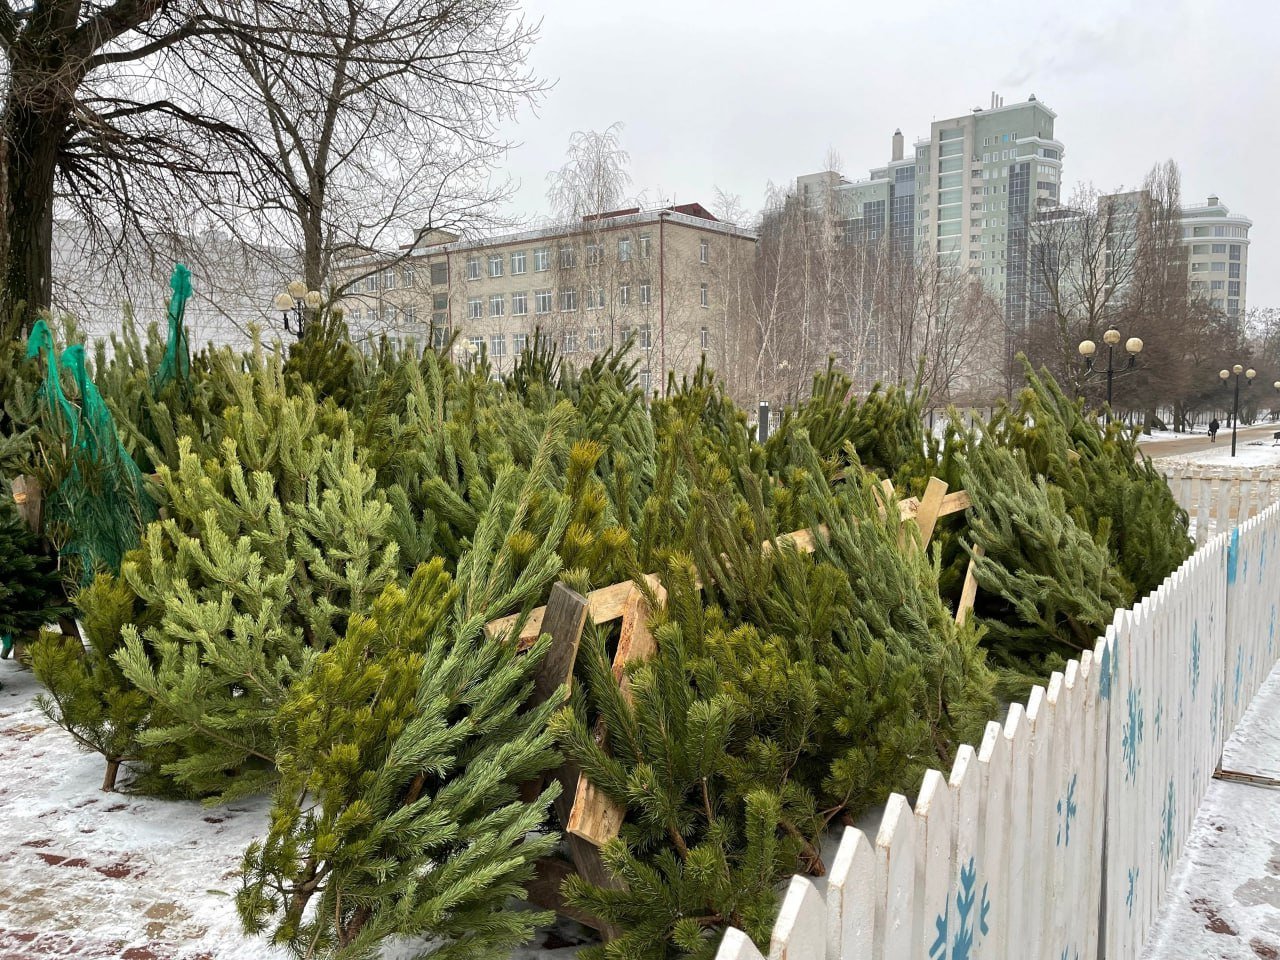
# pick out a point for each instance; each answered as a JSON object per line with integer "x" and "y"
{"x": 568, "y": 301}
{"x": 476, "y": 343}
{"x": 475, "y": 308}
{"x": 704, "y": 251}
{"x": 705, "y": 295}
{"x": 497, "y": 305}
{"x": 519, "y": 304}
{"x": 355, "y": 314}
{"x": 1219, "y": 248}
{"x": 624, "y": 332}
{"x": 1219, "y": 266}
{"x": 439, "y": 272}
{"x": 519, "y": 342}
{"x": 439, "y": 333}
{"x": 644, "y": 246}
{"x": 1219, "y": 231}
{"x": 473, "y": 268}
{"x": 645, "y": 297}
{"x": 517, "y": 263}
{"x": 1233, "y": 288}
{"x": 498, "y": 345}
{"x": 388, "y": 279}
{"x": 568, "y": 259}
{"x": 440, "y": 301}
{"x": 595, "y": 337}
{"x": 624, "y": 294}
{"x": 644, "y": 381}
{"x": 542, "y": 301}
{"x": 595, "y": 299}
{"x": 646, "y": 337}
{"x": 595, "y": 253}
{"x": 388, "y": 314}
{"x": 1233, "y": 307}
{"x": 1234, "y": 271}
{"x": 495, "y": 264}
{"x": 1235, "y": 251}
{"x": 1218, "y": 285}
{"x": 571, "y": 341}
{"x": 1199, "y": 248}
{"x": 541, "y": 259}
{"x": 624, "y": 249}
{"x": 409, "y": 314}
{"x": 1199, "y": 267}
{"x": 371, "y": 283}
{"x": 704, "y": 338}
{"x": 408, "y": 274}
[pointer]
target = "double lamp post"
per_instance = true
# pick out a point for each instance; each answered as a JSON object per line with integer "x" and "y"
{"x": 295, "y": 302}
{"x": 1088, "y": 348}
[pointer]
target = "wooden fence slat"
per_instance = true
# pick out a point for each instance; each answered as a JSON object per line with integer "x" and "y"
{"x": 851, "y": 899}
{"x": 736, "y": 945}
{"x": 801, "y": 930}
{"x": 895, "y": 880}
{"x": 1017, "y": 731}
{"x": 933, "y": 860}
{"x": 970, "y": 879}
{"x": 993, "y": 766}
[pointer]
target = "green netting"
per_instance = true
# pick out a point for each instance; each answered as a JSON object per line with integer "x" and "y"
{"x": 102, "y": 503}
{"x": 176, "y": 363}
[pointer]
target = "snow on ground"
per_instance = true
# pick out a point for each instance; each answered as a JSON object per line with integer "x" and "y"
{"x": 92, "y": 875}
{"x": 1253, "y": 453}
{"x": 1224, "y": 896}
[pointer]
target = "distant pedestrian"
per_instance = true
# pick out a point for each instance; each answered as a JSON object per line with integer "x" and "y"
{"x": 1213, "y": 430}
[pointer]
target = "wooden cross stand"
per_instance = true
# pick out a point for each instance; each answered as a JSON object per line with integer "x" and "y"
{"x": 590, "y": 818}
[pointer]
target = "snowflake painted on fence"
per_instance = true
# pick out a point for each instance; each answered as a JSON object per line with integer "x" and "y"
{"x": 1271, "y": 632}
{"x": 1239, "y": 676}
{"x": 1104, "y": 680}
{"x": 1133, "y": 886}
{"x": 1166, "y": 825}
{"x": 1180, "y": 712}
{"x": 971, "y": 921}
{"x": 1073, "y": 955}
{"x": 1195, "y": 658}
{"x": 1066, "y": 813}
{"x": 1131, "y": 733}
{"x": 1262, "y": 558}
{"x": 1158, "y": 715}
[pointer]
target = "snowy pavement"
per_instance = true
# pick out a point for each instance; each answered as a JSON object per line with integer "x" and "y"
{"x": 92, "y": 875}
{"x": 1198, "y": 449}
{"x": 1224, "y": 897}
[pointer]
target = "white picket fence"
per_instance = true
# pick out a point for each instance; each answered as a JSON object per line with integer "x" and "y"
{"x": 1054, "y": 839}
{"x": 1216, "y": 498}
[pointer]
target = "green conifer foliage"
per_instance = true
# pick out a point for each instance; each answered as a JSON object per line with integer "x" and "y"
{"x": 248, "y": 573}
{"x": 1109, "y": 487}
{"x": 324, "y": 358}
{"x": 88, "y": 695}
{"x": 1047, "y": 587}
{"x": 30, "y": 587}
{"x": 401, "y": 754}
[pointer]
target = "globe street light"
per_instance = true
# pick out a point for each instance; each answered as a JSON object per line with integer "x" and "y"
{"x": 1225, "y": 375}
{"x": 294, "y": 300}
{"x": 1088, "y": 348}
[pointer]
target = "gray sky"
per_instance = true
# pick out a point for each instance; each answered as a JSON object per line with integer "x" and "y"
{"x": 740, "y": 94}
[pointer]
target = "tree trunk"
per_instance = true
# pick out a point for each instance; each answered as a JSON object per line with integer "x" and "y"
{"x": 33, "y": 133}
{"x": 109, "y": 778}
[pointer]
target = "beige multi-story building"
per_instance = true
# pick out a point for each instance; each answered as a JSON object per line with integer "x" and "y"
{"x": 664, "y": 278}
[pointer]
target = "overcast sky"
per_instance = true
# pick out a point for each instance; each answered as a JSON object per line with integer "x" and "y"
{"x": 742, "y": 94}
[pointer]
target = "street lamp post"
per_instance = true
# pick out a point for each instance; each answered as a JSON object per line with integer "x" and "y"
{"x": 1225, "y": 375}
{"x": 1088, "y": 348}
{"x": 298, "y": 301}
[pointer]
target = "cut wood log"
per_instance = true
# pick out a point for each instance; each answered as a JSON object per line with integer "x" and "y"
{"x": 30, "y": 500}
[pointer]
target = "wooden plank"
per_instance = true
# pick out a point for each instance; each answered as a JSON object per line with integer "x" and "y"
{"x": 954, "y": 503}
{"x": 594, "y": 817}
{"x": 895, "y": 880}
{"x": 549, "y": 875}
{"x": 801, "y": 929}
{"x": 29, "y": 497}
{"x": 566, "y": 617}
{"x": 930, "y": 505}
{"x": 851, "y": 899}
{"x": 969, "y": 592}
{"x": 964, "y": 785}
{"x": 1017, "y": 732}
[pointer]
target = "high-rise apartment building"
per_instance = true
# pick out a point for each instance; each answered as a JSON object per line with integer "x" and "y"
{"x": 968, "y": 193}
{"x": 664, "y": 277}
{"x": 1218, "y": 258}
